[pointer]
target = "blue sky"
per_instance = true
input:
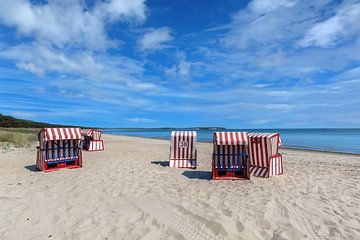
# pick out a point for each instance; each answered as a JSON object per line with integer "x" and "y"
{"x": 181, "y": 63}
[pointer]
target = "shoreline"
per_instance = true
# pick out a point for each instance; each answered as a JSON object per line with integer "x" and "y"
{"x": 287, "y": 147}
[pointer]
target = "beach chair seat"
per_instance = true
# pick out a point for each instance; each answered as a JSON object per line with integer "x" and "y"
{"x": 230, "y": 156}
{"x": 183, "y": 152}
{"x": 265, "y": 160}
{"x": 59, "y": 148}
{"x": 92, "y": 141}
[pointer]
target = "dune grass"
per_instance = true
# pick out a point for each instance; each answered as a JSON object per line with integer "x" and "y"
{"x": 18, "y": 137}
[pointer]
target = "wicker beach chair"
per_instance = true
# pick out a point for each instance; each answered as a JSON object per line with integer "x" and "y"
{"x": 265, "y": 159}
{"x": 183, "y": 152}
{"x": 59, "y": 148}
{"x": 92, "y": 141}
{"x": 230, "y": 156}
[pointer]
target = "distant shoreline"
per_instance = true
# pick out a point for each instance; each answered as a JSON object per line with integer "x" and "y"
{"x": 286, "y": 147}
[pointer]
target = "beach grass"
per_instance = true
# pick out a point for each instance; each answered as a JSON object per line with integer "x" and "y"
{"x": 18, "y": 137}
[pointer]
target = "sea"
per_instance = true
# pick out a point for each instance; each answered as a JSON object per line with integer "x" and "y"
{"x": 342, "y": 140}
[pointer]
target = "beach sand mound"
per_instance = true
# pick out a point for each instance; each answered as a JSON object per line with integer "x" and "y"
{"x": 128, "y": 192}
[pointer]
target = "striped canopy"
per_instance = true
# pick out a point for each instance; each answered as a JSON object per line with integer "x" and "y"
{"x": 62, "y": 133}
{"x": 231, "y": 138}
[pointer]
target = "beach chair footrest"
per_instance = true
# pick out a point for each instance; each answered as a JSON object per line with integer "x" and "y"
{"x": 53, "y": 166}
{"x": 230, "y": 174}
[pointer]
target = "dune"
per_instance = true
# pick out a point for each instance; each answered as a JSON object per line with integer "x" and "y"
{"x": 128, "y": 192}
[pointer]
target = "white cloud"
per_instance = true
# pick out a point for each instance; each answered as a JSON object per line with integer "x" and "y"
{"x": 140, "y": 120}
{"x": 69, "y": 38}
{"x": 345, "y": 23}
{"x": 69, "y": 22}
{"x": 118, "y": 9}
{"x": 182, "y": 69}
{"x": 266, "y": 6}
{"x": 155, "y": 39}
{"x": 30, "y": 67}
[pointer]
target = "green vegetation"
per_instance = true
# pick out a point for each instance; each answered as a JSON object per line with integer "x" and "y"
{"x": 11, "y": 122}
{"x": 18, "y": 137}
{"x": 20, "y": 133}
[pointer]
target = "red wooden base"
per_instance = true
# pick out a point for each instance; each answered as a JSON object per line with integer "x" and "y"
{"x": 57, "y": 166}
{"x": 221, "y": 174}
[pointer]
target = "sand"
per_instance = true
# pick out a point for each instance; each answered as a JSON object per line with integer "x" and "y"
{"x": 127, "y": 192}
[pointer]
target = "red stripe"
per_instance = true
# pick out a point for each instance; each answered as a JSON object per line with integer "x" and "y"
{"x": 183, "y": 148}
{"x": 78, "y": 131}
{"x": 260, "y": 151}
{"x": 237, "y": 139}
{"x": 257, "y": 152}
{"x": 242, "y": 138}
{"x": 278, "y": 165}
{"x": 257, "y": 171}
{"x": 71, "y": 134}
{"x": 262, "y": 145}
{"x": 267, "y": 157}
{"x": 52, "y": 133}
{"x": 226, "y": 138}
{"x": 174, "y": 136}
{"x": 187, "y": 148}
{"x": 65, "y": 134}
{"x": 251, "y": 144}
{"x": 232, "y": 139}
{"x": 177, "y": 142}
{"x": 254, "y": 152}
{"x": 191, "y": 146}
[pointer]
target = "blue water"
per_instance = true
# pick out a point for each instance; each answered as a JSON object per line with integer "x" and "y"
{"x": 335, "y": 140}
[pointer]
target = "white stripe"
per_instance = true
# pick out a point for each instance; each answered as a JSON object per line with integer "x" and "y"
{"x": 78, "y": 133}
{"x": 230, "y": 135}
{"x": 62, "y": 134}
{"x": 56, "y": 134}
{"x": 262, "y": 150}
{"x": 72, "y": 132}
{"x": 186, "y": 149}
{"x": 67, "y": 132}
{"x": 48, "y": 134}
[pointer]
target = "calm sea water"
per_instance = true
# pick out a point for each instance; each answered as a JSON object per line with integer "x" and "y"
{"x": 336, "y": 140}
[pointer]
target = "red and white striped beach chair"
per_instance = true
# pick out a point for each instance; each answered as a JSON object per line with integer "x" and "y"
{"x": 230, "y": 156}
{"x": 59, "y": 148}
{"x": 183, "y": 150}
{"x": 92, "y": 141}
{"x": 265, "y": 160}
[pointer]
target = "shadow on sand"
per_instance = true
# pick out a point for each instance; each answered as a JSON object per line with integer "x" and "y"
{"x": 32, "y": 168}
{"x": 161, "y": 163}
{"x": 203, "y": 175}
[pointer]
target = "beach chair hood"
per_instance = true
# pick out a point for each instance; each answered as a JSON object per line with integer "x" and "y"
{"x": 51, "y": 134}
{"x": 231, "y": 138}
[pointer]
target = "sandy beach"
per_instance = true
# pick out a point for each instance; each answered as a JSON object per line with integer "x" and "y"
{"x": 127, "y": 192}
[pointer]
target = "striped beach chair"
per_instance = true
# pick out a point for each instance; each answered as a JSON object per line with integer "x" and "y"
{"x": 59, "y": 148}
{"x": 92, "y": 141}
{"x": 265, "y": 159}
{"x": 230, "y": 156}
{"x": 183, "y": 150}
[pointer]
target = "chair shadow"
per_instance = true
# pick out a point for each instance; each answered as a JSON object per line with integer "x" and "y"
{"x": 161, "y": 163}
{"x": 32, "y": 168}
{"x": 203, "y": 175}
